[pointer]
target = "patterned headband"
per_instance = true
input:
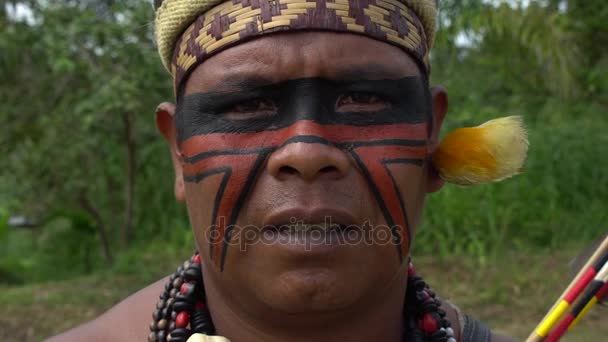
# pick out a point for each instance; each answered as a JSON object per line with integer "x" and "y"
{"x": 189, "y": 31}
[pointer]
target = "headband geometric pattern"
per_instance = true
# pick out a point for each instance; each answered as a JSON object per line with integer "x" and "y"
{"x": 408, "y": 24}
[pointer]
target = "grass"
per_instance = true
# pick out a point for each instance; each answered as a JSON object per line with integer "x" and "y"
{"x": 511, "y": 295}
{"x": 514, "y": 294}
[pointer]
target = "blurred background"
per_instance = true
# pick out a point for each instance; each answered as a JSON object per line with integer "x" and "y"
{"x": 87, "y": 214}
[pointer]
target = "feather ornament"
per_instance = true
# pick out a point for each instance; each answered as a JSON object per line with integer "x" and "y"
{"x": 490, "y": 152}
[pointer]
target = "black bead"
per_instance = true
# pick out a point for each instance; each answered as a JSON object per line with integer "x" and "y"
{"x": 161, "y": 336}
{"x": 203, "y": 327}
{"x": 156, "y": 315}
{"x": 203, "y": 314}
{"x": 191, "y": 290}
{"x": 192, "y": 273}
{"x": 182, "y": 305}
{"x": 181, "y": 332}
{"x": 430, "y": 307}
{"x": 165, "y": 312}
{"x": 185, "y": 298}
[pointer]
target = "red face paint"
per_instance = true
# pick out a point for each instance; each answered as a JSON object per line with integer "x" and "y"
{"x": 237, "y": 149}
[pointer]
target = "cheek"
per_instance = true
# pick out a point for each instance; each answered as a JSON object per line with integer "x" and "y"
{"x": 218, "y": 178}
{"x": 386, "y": 168}
{"x": 200, "y": 199}
{"x": 410, "y": 180}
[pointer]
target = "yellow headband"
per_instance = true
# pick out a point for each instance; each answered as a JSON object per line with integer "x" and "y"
{"x": 174, "y": 16}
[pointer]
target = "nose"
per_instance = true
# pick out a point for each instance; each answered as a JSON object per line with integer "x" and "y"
{"x": 308, "y": 161}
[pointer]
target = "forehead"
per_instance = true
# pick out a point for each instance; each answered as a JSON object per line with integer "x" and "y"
{"x": 294, "y": 55}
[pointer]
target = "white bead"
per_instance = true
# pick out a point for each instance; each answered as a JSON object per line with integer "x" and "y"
{"x": 450, "y": 332}
{"x": 451, "y": 339}
{"x": 205, "y": 338}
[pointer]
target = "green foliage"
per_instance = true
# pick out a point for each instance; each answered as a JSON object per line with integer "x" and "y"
{"x": 540, "y": 62}
{"x": 80, "y": 81}
{"x": 82, "y": 84}
{"x": 559, "y": 199}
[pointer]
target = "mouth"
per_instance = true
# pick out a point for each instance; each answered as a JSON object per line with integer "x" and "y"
{"x": 305, "y": 230}
{"x": 303, "y": 220}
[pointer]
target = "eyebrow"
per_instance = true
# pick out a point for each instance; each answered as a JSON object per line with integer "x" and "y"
{"x": 238, "y": 82}
{"x": 245, "y": 81}
{"x": 373, "y": 71}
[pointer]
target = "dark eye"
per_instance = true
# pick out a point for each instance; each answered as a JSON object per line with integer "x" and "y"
{"x": 251, "y": 109}
{"x": 361, "y": 102}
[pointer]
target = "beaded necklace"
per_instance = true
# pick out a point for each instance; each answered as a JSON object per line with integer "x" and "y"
{"x": 182, "y": 310}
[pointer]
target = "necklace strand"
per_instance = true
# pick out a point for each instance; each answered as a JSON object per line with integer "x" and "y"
{"x": 182, "y": 309}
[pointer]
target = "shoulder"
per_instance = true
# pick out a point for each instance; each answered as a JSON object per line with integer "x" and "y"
{"x": 127, "y": 321}
{"x": 476, "y": 331}
{"x": 468, "y": 329}
{"x": 500, "y": 338}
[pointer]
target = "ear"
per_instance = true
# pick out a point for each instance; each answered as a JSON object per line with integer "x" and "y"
{"x": 165, "y": 122}
{"x": 440, "y": 108}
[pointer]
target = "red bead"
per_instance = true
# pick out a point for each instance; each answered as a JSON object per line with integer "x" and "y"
{"x": 184, "y": 288}
{"x": 182, "y": 319}
{"x": 200, "y": 306}
{"x": 196, "y": 259}
{"x": 411, "y": 271}
{"x": 428, "y": 324}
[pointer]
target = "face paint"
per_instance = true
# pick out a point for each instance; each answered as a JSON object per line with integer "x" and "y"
{"x": 215, "y": 140}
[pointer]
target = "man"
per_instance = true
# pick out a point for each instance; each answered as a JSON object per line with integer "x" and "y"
{"x": 301, "y": 142}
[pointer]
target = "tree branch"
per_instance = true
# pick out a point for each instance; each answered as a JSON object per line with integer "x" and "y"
{"x": 86, "y": 204}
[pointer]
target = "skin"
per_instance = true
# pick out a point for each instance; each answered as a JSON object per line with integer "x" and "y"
{"x": 284, "y": 293}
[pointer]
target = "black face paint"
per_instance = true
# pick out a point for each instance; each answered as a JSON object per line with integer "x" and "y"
{"x": 311, "y": 99}
{"x": 305, "y": 111}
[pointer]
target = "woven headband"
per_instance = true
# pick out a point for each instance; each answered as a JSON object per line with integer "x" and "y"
{"x": 189, "y": 31}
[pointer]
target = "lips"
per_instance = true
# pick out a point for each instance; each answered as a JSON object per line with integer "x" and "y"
{"x": 310, "y": 228}
{"x": 308, "y": 220}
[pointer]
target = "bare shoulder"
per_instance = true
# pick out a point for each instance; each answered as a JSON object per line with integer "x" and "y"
{"x": 500, "y": 338}
{"x": 126, "y": 321}
{"x": 457, "y": 319}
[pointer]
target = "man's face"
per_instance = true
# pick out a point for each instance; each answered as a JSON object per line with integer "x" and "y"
{"x": 303, "y": 159}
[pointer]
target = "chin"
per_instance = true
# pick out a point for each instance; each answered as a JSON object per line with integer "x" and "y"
{"x": 285, "y": 279}
{"x": 326, "y": 281}
{"x": 311, "y": 290}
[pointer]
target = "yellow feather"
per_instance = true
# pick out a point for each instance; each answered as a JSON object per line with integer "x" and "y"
{"x": 490, "y": 152}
